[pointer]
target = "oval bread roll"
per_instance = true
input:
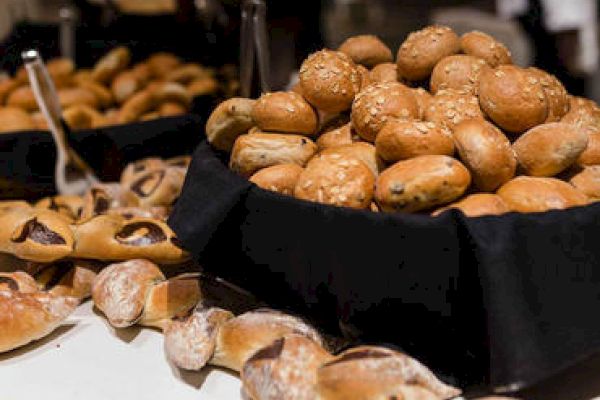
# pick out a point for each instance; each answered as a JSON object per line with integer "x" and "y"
{"x": 15, "y": 119}
{"x": 537, "y": 194}
{"x": 284, "y": 112}
{"x": 229, "y": 120}
{"x": 587, "y": 181}
{"x": 591, "y": 154}
{"x": 111, "y": 64}
{"x": 367, "y": 50}
{"x": 459, "y": 72}
{"x": 478, "y": 204}
{"x": 482, "y": 45}
{"x": 421, "y": 183}
{"x": 125, "y": 85}
{"x": 22, "y": 97}
{"x": 384, "y": 72}
{"x": 280, "y": 178}
{"x": 76, "y": 96}
{"x": 161, "y": 64}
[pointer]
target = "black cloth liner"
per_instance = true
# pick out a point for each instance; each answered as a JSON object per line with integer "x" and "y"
{"x": 489, "y": 301}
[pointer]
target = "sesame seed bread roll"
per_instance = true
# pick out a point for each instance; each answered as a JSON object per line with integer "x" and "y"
{"x": 450, "y": 107}
{"x": 284, "y": 112}
{"x": 228, "y": 121}
{"x": 549, "y": 149}
{"x": 423, "y": 49}
{"x": 460, "y": 72}
{"x": 260, "y": 150}
{"x": 329, "y": 80}
{"x": 423, "y": 97}
{"x": 377, "y": 104}
{"x": 556, "y": 94}
{"x": 482, "y": 45}
{"x": 336, "y": 179}
{"x": 384, "y": 72}
{"x": 362, "y": 151}
{"x": 478, "y": 204}
{"x": 512, "y": 98}
{"x": 421, "y": 183}
{"x": 280, "y": 178}
{"x": 587, "y": 181}
{"x": 486, "y": 152}
{"x": 402, "y": 139}
{"x": 367, "y": 50}
{"x": 536, "y": 194}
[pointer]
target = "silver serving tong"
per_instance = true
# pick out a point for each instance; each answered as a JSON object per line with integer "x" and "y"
{"x": 254, "y": 40}
{"x": 72, "y": 175}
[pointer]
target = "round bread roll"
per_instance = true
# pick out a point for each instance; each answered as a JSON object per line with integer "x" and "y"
{"x": 423, "y": 97}
{"x": 482, "y": 45}
{"x": 14, "y": 119}
{"x": 402, "y": 139}
{"x": 280, "y": 178}
{"x": 549, "y": 149}
{"x": 329, "y": 80}
{"x": 513, "y": 98}
{"x": 584, "y": 114}
{"x": 339, "y": 136}
{"x": 336, "y": 179}
{"x": 378, "y": 103}
{"x": 421, "y": 183}
{"x": 369, "y": 372}
{"x": 535, "y": 194}
{"x": 384, "y": 72}
{"x": 241, "y": 337}
{"x": 450, "y": 107}
{"x": 556, "y": 94}
{"x": 362, "y": 151}
{"x": 591, "y": 154}
{"x": 76, "y": 96}
{"x": 111, "y": 64}
{"x": 284, "y": 112}
{"x": 161, "y": 64}
{"x": 229, "y": 120}
{"x": 22, "y": 97}
{"x": 587, "y": 181}
{"x": 367, "y": 50}
{"x": 486, "y": 152}
{"x": 260, "y": 150}
{"x": 478, "y": 204}
{"x": 460, "y": 72}
{"x": 423, "y": 49}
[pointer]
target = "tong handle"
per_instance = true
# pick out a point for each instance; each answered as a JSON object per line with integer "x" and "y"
{"x": 68, "y": 19}
{"x": 254, "y": 43}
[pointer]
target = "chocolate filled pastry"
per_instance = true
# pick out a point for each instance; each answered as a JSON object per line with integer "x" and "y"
{"x": 35, "y": 234}
{"x": 71, "y": 278}
{"x": 157, "y": 212}
{"x": 140, "y": 167}
{"x": 156, "y": 188}
{"x": 100, "y": 198}
{"x": 241, "y": 337}
{"x": 190, "y": 341}
{"x": 112, "y": 237}
{"x": 369, "y": 372}
{"x": 285, "y": 369}
{"x": 69, "y": 206}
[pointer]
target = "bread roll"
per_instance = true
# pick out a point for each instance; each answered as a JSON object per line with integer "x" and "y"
{"x": 556, "y": 94}
{"x": 156, "y": 188}
{"x": 482, "y": 45}
{"x": 423, "y": 49}
{"x": 535, "y": 194}
{"x": 260, "y": 150}
{"x": 203, "y": 87}
{"x": 241, "y": 337}
{"x": 423, "y": 97}
{"x": 140, "y": 167}
{"x": 68, "y": 205}
{"x": 125, "y": 85}
{"x": 82, "y": 116}
{"x": 137, "y": 105}
{"x": 450, "y": 107}
{"x": 169, "y": 109}
{"x": 367, "y": 50}
{"x": 460, "y": 72}
{"x": 15, "y": 119}
{"x": 591, "y": 154}
{"x": 284, "y": 112}
{"x": 478, "y": 204}
{"x": 384, "y": 72}
{"x": 486, "y": 152}
{"x": 76, "y": 96}
{"x": 285, "y": 369}
{"x": 329, "y": 80}
{"x": 280, "y": 178}
{"x": 421, "y": 183}
{"x": 103, "y": 96}
{"x": 111, "y": 64}
{"x": 549, "y": 149}
{"x": 72, "y": 278}
{"x": 587, "y": 181}
{"x": 339, "y": 136}
{"x": 229, "y": 120}
{"x": 100, "y": 198}
{"x": 186, "y": 73}
{"x": 378, "y": 103}
{"x": 22, "y": 97}
{"x": 6, "y": 88}
{"x": 402, "y": 139}
{"x": 513, "y": 98}
{"x": 369, "y": 372}
{"x": 362, "y": 151}
{"x": 161, "y": 64}
{"x": 141, "y": 72}
{"x": 584, "y": 114}
{"x": 8, "y": 205}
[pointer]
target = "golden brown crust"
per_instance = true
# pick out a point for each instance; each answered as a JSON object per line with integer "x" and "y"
{"x": 69, "y": 206}
{"x": 125, "y": 85}
{"x": 423, "y": 49}
{"x": 186, "y": 73}
{"x": 284, "y": 112}
{"x": 260, "y": 150}
{"x": 549, "y": 149}
{"x": 402, "y": 139}
{"x": 170, "y": 109}
{"x": 77, "y": 95}
{"x": 421, "y": 183}
{"x": 15, "y": 119}
{"x": 365, "y": 78}
{"x": 513, "y": 98}
{"x": 156, "y": 212}
{"x": 111, "y": 64}
{"x": 482, "y": 45}
{"x": 71, "y": 278}
{"x": 478, "y": 204}
{"x": 460, "y": 72}
{"x": 203, "y": 87}
{"x": 587, "y": 181}
{"x": 377, "y": 104}
{"x": 228, "y": 121}
{"x": 556, "y": 94}
{"x": 22, "y": 97}
{"x": 337, "y": 180}
{"x": 138, "y": 168}
{"x": 156, "y": 188}
{"x": 280, "y": 178}
{"x": 6, "y": 88}
{"x": 137, "y": 105}
{"x": 170, "y": 92}
{"x": 367, "y": 50}
{"x": 100, "y": 198}
{"x": 486, "y": 152}
{"x": 82, "y": 116}
{"x": 161, "y": 64}
{"x": 423, "y": 97}
{"x": 19, "y": 281}
{"x": 384, "y": 72}
{"x": 584, "y": 114}
{"x": 329, "y": 80}
{"x": 338, "y": 136}
{"x": 450, "y": 107}
{"x": 362, "y": 151}
{"x": 537, "y": 194}
{"x": 591, "y": 154}
{"x": 103, "y": 96}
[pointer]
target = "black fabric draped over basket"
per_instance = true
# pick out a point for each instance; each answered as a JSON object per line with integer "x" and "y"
{"x": 488, "y": 301}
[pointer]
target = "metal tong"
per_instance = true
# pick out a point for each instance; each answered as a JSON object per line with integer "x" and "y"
{"x": 254, "y": 40}
{"x": 72, "y": 175}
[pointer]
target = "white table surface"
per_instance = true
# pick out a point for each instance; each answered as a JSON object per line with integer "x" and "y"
{"x": 86, "y": 359}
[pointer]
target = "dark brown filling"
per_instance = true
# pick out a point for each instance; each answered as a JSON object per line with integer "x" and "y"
{"x": 54, "y": 206}
{"x": 270, "y": 352}
{"x": 12, "y": 284}
{"x": 38, "y": 233}
{"x": 101, "y": 201}
{"x": 147, "y": 184}
{"x": 359, "y": 355}
{"x": 176, "y": 242}
{"x": 140, "y": 234}
{"x": 61, "y": 269}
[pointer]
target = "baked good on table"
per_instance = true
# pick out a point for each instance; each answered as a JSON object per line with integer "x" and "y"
{"x": 366, "y": 50}
{"x": 482, "y": 45}
{"x": 156, "y": 188}
{"x": 69, "y": 206}
{"x": 71, "y": 278}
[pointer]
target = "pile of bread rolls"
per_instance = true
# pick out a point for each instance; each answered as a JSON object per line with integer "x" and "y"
{"x": 452, "y": 123}
{"x": 114, "y": 91}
